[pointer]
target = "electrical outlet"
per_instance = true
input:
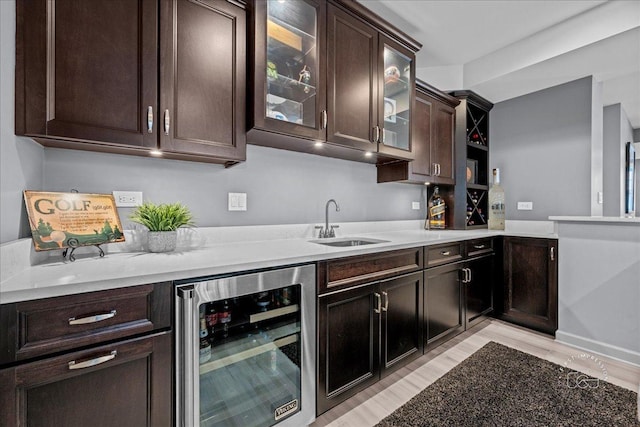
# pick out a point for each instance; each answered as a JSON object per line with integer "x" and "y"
{"x": 128, "y": 199}
{"x": 525, "y": 206}
{"x": 237, "y": 201}
{"x": 415, "y": 206}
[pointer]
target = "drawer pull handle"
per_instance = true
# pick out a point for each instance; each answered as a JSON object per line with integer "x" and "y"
{"x": 386, "y": 301}
{"x": 150, "y": 119}
{"x": 167, "y": 122}
{"x": 92, "y": 319}
{"x": 92, "y": 362}
{"x": 478, "y": 246}
{"x": 378, "y": 303}
{"x": 445, "y": 253}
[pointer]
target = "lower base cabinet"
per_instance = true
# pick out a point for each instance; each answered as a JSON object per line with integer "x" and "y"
{"x": 479, "y": 290}
{"x": 365, "y": 333}
{"x": 124, "y": 384}
{"x": 529, "y": 294}
{"x": 443, "y": 303}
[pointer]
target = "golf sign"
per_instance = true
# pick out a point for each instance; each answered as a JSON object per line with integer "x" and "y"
{"x": 71, "y": 220}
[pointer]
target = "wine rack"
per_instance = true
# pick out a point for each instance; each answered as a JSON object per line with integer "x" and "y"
{"x": 471, "y": 192}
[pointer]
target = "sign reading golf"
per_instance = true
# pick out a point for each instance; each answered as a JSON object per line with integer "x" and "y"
{"x": 70, "y": 220}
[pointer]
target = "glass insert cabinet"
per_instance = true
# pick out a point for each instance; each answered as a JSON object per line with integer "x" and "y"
{"x": 289, "y": 42}
{"x": 292, "y": 62}
{"x": 323, "y": 73}
{"x": 397, "y": 101}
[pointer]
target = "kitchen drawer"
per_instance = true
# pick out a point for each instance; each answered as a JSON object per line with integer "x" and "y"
{"x": 477, "y": 247}
{"x": 126, "y": 383}
{"x": 345, "y": 272}
{"x": 51, "y": 325}
{"x": 443, "y": 254}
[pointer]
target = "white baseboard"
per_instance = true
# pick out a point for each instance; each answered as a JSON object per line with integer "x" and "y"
{"x": 623, "y": 354}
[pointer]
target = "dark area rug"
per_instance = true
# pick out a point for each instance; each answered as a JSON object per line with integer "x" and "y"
{"x": 500, "y": 386}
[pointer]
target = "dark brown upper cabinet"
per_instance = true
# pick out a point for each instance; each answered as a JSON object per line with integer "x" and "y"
{"x": 470, "y": 200}
{"x": 136, "y": 77}
{"x": 433, "y": 130}
{"x": 289, "y": 95}
{"x": 318, "y": 80}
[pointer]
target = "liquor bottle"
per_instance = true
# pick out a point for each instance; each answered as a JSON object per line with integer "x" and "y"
{"x": 437, "y": 209}
{"x": 205, "y": 345}
{"x": 496, "y": 203}
{"x": 224, "y": 318}
{"x": 212, "y": 319}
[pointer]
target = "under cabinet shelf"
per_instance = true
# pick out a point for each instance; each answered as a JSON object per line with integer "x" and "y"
{"x": 250, "y": 346}
{"x": 289, "y": 88}
{"x": 393, "y": 88}
{"x": 475, "y": 146}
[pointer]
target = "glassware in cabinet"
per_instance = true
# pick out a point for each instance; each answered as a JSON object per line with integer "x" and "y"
{"x": 291, "y": 62}
{"x": 397, "y": 98}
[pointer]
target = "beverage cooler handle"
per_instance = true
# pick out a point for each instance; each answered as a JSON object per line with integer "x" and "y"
{"x": 187, "y": 400}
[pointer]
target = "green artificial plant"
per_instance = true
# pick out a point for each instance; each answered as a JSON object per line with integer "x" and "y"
{"x": 162, "y": 217}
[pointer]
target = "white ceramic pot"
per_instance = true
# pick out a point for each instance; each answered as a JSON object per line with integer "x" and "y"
{"x": 162, "y": 241}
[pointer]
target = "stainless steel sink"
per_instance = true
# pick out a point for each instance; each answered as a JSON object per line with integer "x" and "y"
{"x": 347, "y": 241}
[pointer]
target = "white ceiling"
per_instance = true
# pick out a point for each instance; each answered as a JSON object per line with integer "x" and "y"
{"x": 506, "y": 48}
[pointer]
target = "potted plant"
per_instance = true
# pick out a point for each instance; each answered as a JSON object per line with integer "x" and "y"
{"x": 162, "y": 221}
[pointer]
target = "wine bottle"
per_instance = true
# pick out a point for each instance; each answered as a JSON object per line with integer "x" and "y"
{"x": 205, "y": 345}
{"x": 437, "y": 209}
{"x": 496, "y": 203}
{"x": 224, "y": 318}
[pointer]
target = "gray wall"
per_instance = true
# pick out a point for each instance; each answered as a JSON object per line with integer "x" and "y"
{"x": 598, "y": 296}
{"x": 21, "y": 159}
{"x": 542, "y": 144}
{"x": 282, "y": 187}
{"x": 617, "y": 132}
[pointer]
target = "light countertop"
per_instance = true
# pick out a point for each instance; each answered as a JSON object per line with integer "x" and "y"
{"x": 201, "y": 257}
{"x": 597, "y": 219}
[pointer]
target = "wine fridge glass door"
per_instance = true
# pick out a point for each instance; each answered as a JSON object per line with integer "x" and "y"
{"x": 246, "y": 349}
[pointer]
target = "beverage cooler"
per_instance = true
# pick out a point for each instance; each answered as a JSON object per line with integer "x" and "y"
{"x": 245, "y": 349}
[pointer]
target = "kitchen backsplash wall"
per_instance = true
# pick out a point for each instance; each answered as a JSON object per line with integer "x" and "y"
{"x": 542, "y": 144}
{"x": 282, "y": 187}
{"x": 21, "y": 159}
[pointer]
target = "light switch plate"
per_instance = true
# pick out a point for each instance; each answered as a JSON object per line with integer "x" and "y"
{"x": 237, "y": 201}
{"x": 128, "y": 199}
{"x": 525, "y": 206}
{"x": 415, "y": 206}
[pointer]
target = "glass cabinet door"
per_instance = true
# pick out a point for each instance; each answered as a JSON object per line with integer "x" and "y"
{"x": 396, "y": 106}
{"x": 292, "y": 62}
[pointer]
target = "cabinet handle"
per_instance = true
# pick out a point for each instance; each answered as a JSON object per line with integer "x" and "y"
{"x": 150, "y": 119}
{"x": 445, "y": 253}
{"x": 93, "y": 362}
{"x": 467, "y": 275}
{"x": 378, "y": 303}
{"x": 437, "y": 169}
{"x": 92, "y": 319}
{"x": 325, "y": 119}
{"x": 377, "y": 138}
{"x": 167, "y": 121}
{"x": 552, "y": 253}
{"x": 478, "y": 246}
{"x": 386, "y": 301}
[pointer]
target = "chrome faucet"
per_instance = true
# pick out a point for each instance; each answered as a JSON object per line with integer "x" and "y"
{"x": 328, "y": 231}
